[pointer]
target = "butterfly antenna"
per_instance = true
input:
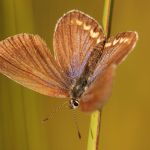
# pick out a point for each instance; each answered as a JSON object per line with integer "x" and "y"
{"x": 58, "y": 109}
{"x": 76, "y": 123}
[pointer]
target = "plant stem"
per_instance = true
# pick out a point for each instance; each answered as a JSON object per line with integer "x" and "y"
{"x": 95, "y": 123}
{"x": 94, "y": 131}
{"x": 107, "y": 16}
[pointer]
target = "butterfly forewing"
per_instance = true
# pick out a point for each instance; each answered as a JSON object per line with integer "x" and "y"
{"x": 74, "y": 38}
{"x": 26, "y": 59}
{"x": 116, "y": 49}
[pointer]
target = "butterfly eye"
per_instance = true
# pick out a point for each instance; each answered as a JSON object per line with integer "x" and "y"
{"x": 74, "y": 103}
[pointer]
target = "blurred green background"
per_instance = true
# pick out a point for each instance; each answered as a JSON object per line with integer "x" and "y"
{"x": 125, "y": 118}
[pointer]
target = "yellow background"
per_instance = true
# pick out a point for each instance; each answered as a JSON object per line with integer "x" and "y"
{"x": 125, "y": 118}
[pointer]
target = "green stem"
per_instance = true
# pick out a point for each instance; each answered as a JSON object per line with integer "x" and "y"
{"x": 94, "y": 131}
{"x": 95, "y": 123}
{"x": 107, "y": 16}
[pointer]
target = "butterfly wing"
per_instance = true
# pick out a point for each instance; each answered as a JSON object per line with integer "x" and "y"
{"x": 116, "y": 50}
{"x": 74, "y": 38}
{"x": 26, "y": 59}
{"x": 99, "y": 91}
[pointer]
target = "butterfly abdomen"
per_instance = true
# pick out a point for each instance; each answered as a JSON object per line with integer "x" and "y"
{"x": 81, "y": 84}
{"x": 93, "y": 60}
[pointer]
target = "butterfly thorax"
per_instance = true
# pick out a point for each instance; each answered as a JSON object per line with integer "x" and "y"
{"x": 82, "y": 83}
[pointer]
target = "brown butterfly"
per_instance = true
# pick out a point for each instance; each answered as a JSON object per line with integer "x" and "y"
{"x": 83, "y": 64}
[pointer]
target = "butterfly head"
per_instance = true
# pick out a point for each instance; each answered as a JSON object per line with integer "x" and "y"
{"x": 74, "y": 103}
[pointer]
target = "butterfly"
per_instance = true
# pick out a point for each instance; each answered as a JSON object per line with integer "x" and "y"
{"x": 82, "y": 67}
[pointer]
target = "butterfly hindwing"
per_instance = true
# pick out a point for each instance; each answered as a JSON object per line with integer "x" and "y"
{"x": 26, "y": 59}
{"x": 99, "y": 91}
